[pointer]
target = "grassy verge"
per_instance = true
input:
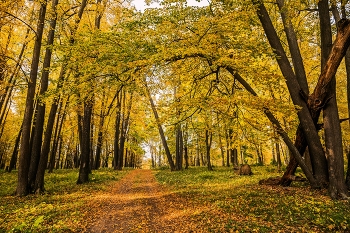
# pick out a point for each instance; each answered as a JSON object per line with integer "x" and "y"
{"x": 60, "y": 209}
{"x": 239, "y": 203}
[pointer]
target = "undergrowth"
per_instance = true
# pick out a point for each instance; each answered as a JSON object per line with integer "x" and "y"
{"x": 60, "y": 209}
{"x": 240, "y": 203}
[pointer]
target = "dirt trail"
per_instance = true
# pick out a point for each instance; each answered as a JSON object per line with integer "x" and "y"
{"x": 137, "y": 203}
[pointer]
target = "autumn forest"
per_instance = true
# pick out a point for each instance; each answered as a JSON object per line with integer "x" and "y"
{"x": 100, "y": 87}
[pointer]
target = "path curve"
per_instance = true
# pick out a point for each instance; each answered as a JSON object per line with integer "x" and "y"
{"x": 138, "y": 203}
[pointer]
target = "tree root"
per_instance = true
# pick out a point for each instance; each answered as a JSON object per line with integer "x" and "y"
{"x": 274, "y": 181}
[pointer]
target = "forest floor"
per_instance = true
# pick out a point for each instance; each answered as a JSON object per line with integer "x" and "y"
{"x": 192, "y": 200}
{"x": 138, "y": 203}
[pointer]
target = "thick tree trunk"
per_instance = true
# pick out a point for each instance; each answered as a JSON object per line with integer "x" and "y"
{"x": 44, "y": 156}
{"x": 294, "y": 49}
{"x": 333, "y": 137}
{"x": 347, "y": 66}
{"x": 24, "y": 160}
{"x": 301, "y": 144}
{"x": 39, "y": 124}
{"x": 324, "y": 92}
{"x": 306, "y": 119}
{"x": 334, "y": 150}
{"x": 85, "y": 145}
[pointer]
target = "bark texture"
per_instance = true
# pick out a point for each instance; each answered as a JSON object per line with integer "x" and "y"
{"x": 24, "y": 160}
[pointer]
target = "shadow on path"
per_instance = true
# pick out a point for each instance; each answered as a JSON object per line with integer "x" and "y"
{"x": 137, "y": 203}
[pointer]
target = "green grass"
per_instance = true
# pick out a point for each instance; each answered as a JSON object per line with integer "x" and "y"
{"x": 60, "y": 209}
{"x": 240, "y": 203}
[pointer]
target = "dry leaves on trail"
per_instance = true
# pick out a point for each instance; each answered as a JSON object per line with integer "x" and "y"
{"x": 137, "y": 203}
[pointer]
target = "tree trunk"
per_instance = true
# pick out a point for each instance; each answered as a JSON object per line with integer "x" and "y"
{"x": 273, "y": 153}
{"x": 12, "y": 79}
{"x": 59, "y": 152}
{"x": 124, "y": 132}
{"x": 6, "y": 108}
{"x": 347, "y": 180}
{"x": 24, "y": 160}
{"x": 4, "y": 118}
{"x": 186, "y": 157}
{"x": 185, "y": 140}
{"x": 222, "y": 150}
{"x": 306, "y": 119}
{"x": 161, "y": 132}
{"x": 202, "y": 159}
{"x": 321, "y": 95}
{"x": 100, "y": 135}
{"x": 44, "y": 156}
{"x": 294, "y": 149}
{"x": 55, "y": 140}
{"x": 92, "y": 126}
{"x": 208, "y": 141}
{"x": 179, "y": 150}
{"x": 198, "y": 162}
{"x": 117, "y": 133}
{"x": 14, "y": 156}
{"x": 333, "y": 137}
{"x": 127, "y": 158}
{"x": 294, "y": 49}
{"x": 85, "y": 144}
{"x": 40, "y": 107}
{"x": 227, "y": 149}
{"x": 235, "y": 157}
{"x": 278, "y": 156}
{"x": 153, "y": 159}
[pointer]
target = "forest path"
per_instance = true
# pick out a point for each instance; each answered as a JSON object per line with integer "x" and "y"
{"x": 138, "y": 203}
